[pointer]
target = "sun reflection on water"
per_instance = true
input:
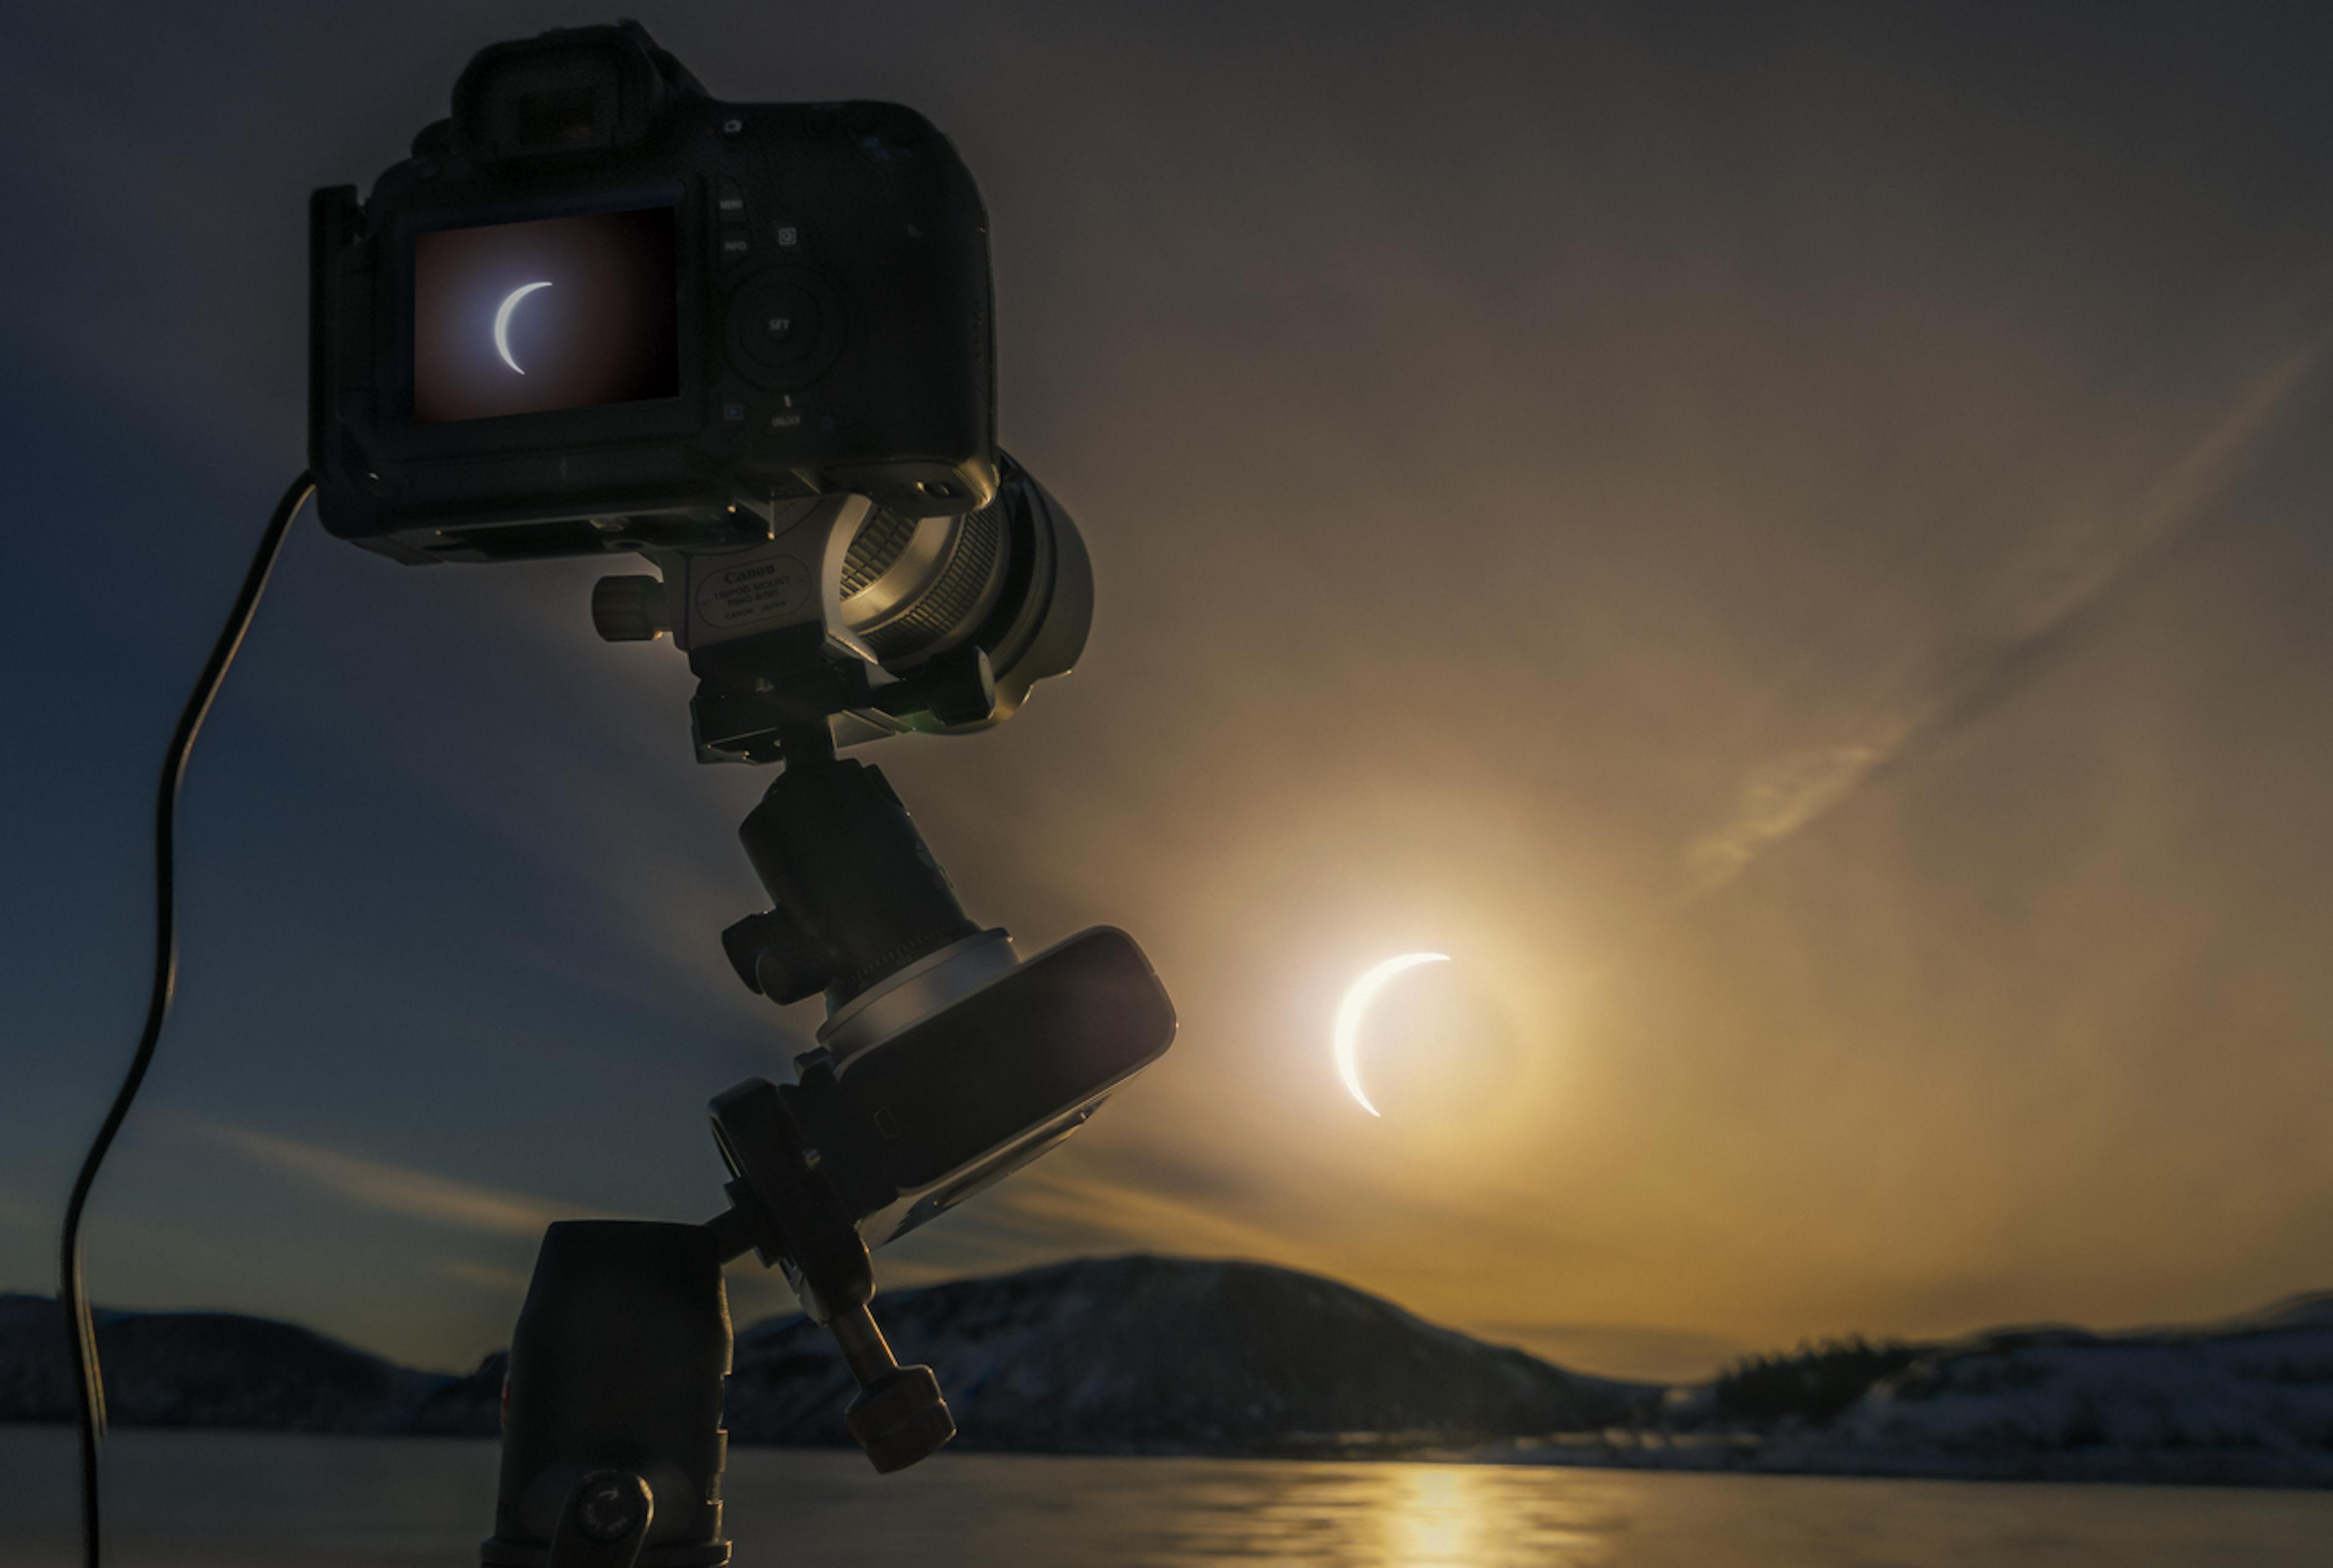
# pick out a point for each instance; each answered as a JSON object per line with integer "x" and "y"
{"x": 1393, "y": 1515}
{"x": 1437, "y": 1521}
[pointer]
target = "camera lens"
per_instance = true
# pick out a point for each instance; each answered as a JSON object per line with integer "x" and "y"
{"x": 1012, "y": 577}
{"x": 914, "y": 587}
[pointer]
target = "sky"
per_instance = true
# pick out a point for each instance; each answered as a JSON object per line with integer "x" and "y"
{"x": 1792, "y": 543}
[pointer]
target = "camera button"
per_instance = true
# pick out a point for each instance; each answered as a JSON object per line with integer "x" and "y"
{"x": 729, "y": 200}
{"x": 784, "y": 329}
{"x": 736, "y": 244}
{"x": 787, "y": 323}
{"x": 778, "y": 323}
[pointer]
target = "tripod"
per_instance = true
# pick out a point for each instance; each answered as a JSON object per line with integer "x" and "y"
{"x": 945, "y": 1064}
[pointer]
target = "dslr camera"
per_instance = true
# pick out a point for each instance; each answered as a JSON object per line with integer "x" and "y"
{"x": 598, "y": 308}
{"x": 598, "y": 312}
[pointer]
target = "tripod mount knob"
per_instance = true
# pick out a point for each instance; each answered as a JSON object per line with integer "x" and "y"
{"x": 784, "y": 1209}
{"x": 899, "y": 1417}
{"x": 629, "y": 609}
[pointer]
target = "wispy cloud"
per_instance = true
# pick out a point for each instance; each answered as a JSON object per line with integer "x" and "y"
{"x": 2040, "y": 601}
{"x": 387, "y": 1189}
{"x": 1114, "y": 1213}
{"x": 1062, "y": 1210}
{"x": 1782, "y": 797}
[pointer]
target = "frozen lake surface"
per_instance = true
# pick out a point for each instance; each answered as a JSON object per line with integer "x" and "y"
{"x": 252, "y": 1500}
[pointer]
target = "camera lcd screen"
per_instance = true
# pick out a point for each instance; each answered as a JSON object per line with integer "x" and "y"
{"x": 557, "y": 313}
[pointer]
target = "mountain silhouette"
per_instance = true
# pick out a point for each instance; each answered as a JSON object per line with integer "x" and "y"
{"x": 1156, "y": 1355}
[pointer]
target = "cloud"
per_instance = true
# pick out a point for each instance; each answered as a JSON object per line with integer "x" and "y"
{"x": 2041, "y": 602}
{"x": 1783, "y": 796}
{"x": 388, "y": 1189}
{"x": 1092, "y": 1204}
{"x": 1062, "y": 1210}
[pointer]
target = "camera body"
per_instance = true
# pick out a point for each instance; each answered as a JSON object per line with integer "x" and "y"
{"x": 598, "y": 310}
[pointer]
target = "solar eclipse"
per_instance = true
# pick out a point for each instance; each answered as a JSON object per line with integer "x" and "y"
{"x": 501, "y": 322}
{"x": 1353, "y": 1012}
{"x": 546, "y": 314}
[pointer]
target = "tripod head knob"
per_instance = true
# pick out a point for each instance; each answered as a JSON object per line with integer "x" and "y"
{"x": 604, "y": 1524}
{"x": 629, "y": 609}
{"x": 901, "y": 1418}
{"x": 785, "y": 1210}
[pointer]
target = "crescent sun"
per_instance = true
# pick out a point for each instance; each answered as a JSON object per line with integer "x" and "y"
{"x": 501, "y": 322}
{"x": 1355, "y": 1008}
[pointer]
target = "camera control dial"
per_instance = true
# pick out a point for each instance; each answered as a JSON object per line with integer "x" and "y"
{"x": 784, "y": 328}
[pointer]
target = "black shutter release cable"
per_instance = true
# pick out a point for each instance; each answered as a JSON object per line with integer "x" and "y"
{"x": 89, "y": 1384}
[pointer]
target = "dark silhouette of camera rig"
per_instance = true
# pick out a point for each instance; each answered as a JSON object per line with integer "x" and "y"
{"x": 598, "y": 312}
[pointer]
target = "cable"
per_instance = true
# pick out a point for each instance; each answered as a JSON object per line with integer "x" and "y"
{"x": 80, "y": 1327}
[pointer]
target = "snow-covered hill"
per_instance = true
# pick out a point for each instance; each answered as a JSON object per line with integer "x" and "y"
{"x": 2245, "y": 1402}
{"x": 1162, "y": 1355}
{"x": 2249, "y": 1400}
{"x": 1136, "y": 1354}
{"x": 224, "y": 1369}
{"x": 1159, "y": 1355}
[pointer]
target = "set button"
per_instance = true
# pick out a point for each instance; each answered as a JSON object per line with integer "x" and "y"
{"x": 783, "y": 328}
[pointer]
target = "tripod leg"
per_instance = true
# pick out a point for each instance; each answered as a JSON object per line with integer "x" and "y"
{"x": 615, "y": 1381}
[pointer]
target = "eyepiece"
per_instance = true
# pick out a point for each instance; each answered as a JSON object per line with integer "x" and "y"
{"x": 571, "y": 90}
